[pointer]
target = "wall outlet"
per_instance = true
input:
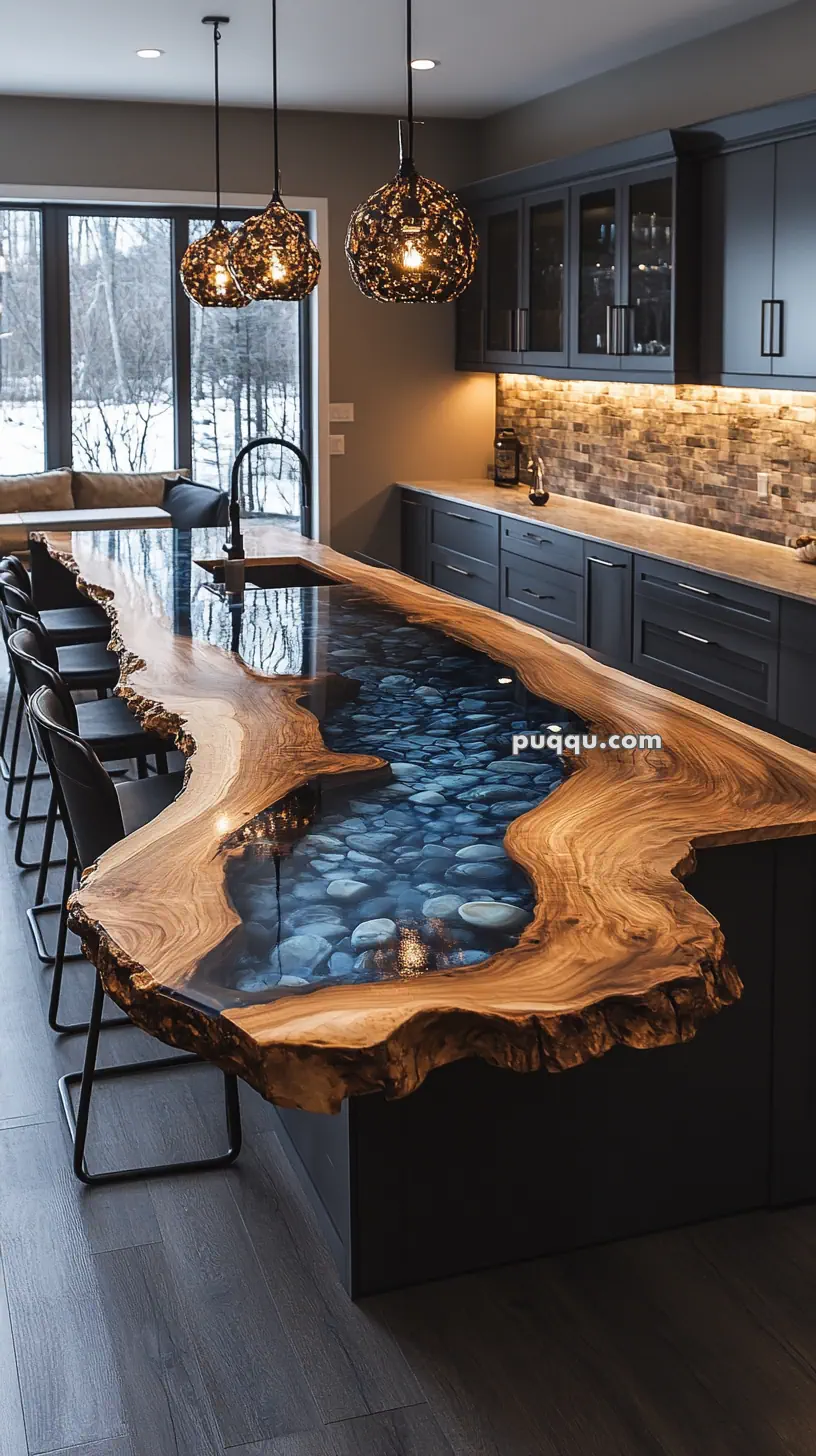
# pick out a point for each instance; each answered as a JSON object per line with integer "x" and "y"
{"x": 341, "y": 414}
{"x": 337, "y": 444}
{"x": 762, "y": 484}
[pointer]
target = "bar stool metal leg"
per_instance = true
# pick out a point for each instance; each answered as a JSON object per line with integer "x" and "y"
{"x": 78, "y": 1121}
{"x": 12, "y": 684}
{"x": 69, "y": 1028}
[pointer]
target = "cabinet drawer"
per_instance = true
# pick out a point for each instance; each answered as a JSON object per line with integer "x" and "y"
{"x": 539, "y": 543}
{"x": 739, "y": 667}
{"x": 797, "y": 691}
{"x": 544, "y": 595}
{"x": 711, "y": 597}
{"x": 797, "y": 625}
{"x": 465, "y": 530}
{"x": 475, "y": 580}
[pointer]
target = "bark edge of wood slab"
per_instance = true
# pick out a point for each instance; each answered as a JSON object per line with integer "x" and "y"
{"x": 619, "y": 952}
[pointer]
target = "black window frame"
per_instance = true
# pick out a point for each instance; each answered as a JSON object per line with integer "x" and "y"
{"x": 56, "y": 322}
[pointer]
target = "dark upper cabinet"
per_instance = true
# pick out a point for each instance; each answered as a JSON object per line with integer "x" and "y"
{"x": 470, "y": 313}
{"x": 595, "y": 276}
{"x": 544, "y": 285}
{"x": 625, "y": 264}
{"x": 502, "y": 230}
{"x": 590, "y": 279}
{"x": 759, "y": 302}
{"x": 793, "y": 326}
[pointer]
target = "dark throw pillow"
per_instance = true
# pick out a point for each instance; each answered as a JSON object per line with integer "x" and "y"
{"x": 191, "y": 505}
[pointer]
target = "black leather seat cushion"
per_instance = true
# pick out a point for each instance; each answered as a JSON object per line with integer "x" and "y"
{"x": 142, "y": 799}
{"x": 113, "y": 732}
{"x": 66, "y": 625}
{"x": 88, "y": 665}
{"x": 192, "y": 506}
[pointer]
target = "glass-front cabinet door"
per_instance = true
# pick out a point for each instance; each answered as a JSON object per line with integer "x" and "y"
{"x": 596, "y": 280}
{"x": 543, "y": 323}
{"x": 646, "y": 333}
{"x": 470, "y": 313}
{"x": 503, "y": 236}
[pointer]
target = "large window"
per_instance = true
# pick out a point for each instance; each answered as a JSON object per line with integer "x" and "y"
{"x": 106, "y": 365}
{"x": 245, "y": 370}
{"x": 22, "y": 416}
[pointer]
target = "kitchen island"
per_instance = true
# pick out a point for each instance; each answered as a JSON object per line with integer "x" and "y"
{"x": 346, "y": 744}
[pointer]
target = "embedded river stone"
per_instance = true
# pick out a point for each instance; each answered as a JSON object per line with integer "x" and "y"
{"x": 369, "y": 887}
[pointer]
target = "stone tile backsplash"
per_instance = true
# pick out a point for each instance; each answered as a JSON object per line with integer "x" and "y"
{"x": 685, "y": 452}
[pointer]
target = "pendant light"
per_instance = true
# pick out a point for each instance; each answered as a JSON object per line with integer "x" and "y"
{"x": 271, "y": 255}
{"x": 204, "y": 269}
{"x": 412, "y": 241}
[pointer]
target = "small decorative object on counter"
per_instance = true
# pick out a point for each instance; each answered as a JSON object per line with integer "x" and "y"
{"x": 507, "y": 453}
{"x": 805, "y": 548}
{"x": 539, "y": 495}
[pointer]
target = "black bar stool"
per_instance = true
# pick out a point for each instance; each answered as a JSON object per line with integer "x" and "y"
{"x": 83, "y": 664}
{"x": 96, "y": 813}
{"x": 107, "y": 724}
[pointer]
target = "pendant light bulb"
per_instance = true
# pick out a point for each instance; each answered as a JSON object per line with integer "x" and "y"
{"x": 271, "y": 255}
{"x": 204, "y": 268}
{"x": 412, "y": 241}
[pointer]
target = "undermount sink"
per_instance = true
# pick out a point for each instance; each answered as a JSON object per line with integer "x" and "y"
{"x": 267, "y": 576}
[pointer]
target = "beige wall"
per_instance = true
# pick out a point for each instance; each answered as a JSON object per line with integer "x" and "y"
{"x": 415, "y": 418}
{"x": 761, "y": 61}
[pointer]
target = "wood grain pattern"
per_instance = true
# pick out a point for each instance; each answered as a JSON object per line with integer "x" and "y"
{"x": 618, "y": 951}
{"x": 756, "y": 563}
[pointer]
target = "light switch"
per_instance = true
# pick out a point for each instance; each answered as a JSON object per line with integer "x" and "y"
{"x": 341, "y": 414}
{"x": 337, "y": 444}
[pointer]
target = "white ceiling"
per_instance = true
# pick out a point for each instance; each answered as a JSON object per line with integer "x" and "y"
{"x": 342, "y": 54}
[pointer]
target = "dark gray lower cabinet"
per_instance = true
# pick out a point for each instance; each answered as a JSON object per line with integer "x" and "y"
{"x": 544, "y": 595}
{"x": 740, "y": 647}
{"x": 608, "y": 601}
{"x": 797, "y": 667}
{"x": 414, "y": 535}
{"x": 478, "y": 581}
{"x": 685, "y": 650}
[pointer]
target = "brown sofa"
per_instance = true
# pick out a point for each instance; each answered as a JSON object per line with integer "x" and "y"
{"x": 66, "y": 490}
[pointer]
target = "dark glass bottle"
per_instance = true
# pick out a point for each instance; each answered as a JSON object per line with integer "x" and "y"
{"x": 507, "y": 453}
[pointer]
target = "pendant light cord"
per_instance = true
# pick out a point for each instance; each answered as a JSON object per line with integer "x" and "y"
{"x": 409, "y": 27}
{"x": 216, "y": 39}
{"x": 276, "y": 193}
{"x": 216, "y": 21}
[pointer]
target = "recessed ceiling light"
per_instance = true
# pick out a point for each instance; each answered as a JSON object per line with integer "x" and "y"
{"x": 149, "y": 54}
{"x": 424, "y": 65}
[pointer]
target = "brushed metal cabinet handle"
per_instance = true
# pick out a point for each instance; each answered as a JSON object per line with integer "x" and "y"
{"x": 456, "y": 516}
{"x": 692, "y": 636}
{"x": 457, "y": 569}
{"x": 599, "y": 561}
{"x": 539, "y": 540}
{"x": 700, "y": 590}
{"x": 528, "y": 592}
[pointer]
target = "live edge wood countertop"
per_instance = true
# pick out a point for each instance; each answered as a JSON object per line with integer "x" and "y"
{"x": 618, "y": 951}
{"x": 755, "y": 563}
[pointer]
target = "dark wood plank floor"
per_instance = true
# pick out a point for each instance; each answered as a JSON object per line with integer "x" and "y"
{"x": 202, "y": 1314}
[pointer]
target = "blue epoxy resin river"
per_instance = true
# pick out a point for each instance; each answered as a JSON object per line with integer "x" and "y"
{"x": 404, "y": 870}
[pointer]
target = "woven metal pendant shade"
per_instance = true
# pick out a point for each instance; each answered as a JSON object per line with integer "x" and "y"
{"x": 271, "y": 256}
{"x": 412, "y": 242}
{"x": 205, "y": 271}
